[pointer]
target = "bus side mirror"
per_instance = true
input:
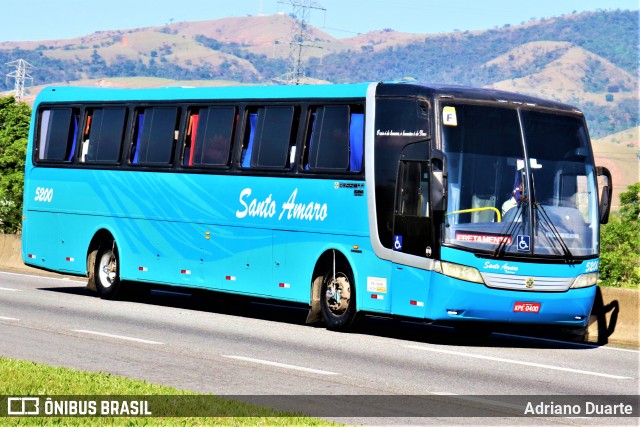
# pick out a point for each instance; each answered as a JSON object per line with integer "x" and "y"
{"x": 439, "y": 181}
{"x": 605, "y": 190}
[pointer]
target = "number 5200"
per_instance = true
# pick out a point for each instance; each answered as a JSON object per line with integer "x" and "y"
{"x": 43, "y": 194}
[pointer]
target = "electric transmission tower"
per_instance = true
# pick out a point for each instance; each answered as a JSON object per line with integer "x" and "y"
{"x": 21, "y": 75}
{"x": 300, "y": 38}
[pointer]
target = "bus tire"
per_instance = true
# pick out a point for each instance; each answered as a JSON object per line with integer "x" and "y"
{"x": 337, "y": 298}
{"x": 106, "y": 273}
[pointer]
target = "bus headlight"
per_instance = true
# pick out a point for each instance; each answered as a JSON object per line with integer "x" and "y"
{"x": 458, "y": 271}
{"x": 585, "y": 280}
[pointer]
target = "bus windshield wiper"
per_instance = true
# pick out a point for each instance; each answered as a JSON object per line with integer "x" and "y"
{"x": 508, "y": 231}
{"x": 542, "y": 214}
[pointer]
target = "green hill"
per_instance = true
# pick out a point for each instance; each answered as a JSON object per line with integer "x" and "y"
{"x": 589, "y": 59}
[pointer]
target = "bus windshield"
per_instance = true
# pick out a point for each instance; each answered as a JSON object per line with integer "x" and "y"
{"x": 520, "y": 182}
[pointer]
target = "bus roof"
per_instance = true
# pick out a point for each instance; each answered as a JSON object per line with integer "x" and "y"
{"x": 248, "y": 92}
{"x": 285, "y": 92}
{"x": 454, "y": 92}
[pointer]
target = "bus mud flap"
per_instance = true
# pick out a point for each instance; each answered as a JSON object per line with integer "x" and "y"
{"x": 315, "y": 314}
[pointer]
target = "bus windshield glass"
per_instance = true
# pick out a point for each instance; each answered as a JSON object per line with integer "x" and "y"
{"x": 520, "y": 182}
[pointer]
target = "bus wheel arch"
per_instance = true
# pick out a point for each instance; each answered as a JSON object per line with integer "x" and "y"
{"x": 333, "y": 293}
{"x": 103, "y": 265}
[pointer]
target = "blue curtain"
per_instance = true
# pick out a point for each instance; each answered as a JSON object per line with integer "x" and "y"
{"x": 137, "y": 149}
{"x": 309, "y": 148}
{"x": 246, "y": 154}
{"x": 356, "y": 142}
{"x": 75, "y": 136}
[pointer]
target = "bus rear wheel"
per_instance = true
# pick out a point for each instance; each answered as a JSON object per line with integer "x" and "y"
{"x": 107, "y": 270}
{"x": 337, "y": 298}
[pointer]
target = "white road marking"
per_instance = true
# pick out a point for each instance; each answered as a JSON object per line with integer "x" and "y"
{"x": 120, "y": 337}
{"x": 579, "y": 344}
{"x": 10, "y": 319}
{"x": 64, "y": 279}
{"x": 279, "y": 365}
{"x": 518, "y": 362}
{"x": 10, "y": 290}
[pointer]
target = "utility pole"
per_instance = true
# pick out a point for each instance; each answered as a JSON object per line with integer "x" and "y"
{"x": 21, "y": 75}
{"x": 300, "y": 38}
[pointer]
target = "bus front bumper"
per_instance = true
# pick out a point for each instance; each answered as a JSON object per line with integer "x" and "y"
{"x": 456, "y": 300}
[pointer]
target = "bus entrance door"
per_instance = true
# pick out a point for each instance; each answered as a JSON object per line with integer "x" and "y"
{"x": 412, "y": 235}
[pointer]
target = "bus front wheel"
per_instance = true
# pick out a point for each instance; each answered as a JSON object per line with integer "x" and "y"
{"x": 337, "y": 298}
{"x": 107, "y": 270}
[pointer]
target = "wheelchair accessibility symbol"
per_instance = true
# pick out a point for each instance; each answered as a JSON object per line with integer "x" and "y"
{"x": 397, "y": 243}
{"x": 524, "y": 242}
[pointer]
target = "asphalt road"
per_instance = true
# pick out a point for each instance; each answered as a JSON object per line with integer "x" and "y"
{"x": 227, "y": 346}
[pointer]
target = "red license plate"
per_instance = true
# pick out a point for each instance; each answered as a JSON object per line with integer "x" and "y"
{"x": 526, "y": 307}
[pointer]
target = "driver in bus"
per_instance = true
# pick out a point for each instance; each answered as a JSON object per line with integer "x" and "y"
{"x": 518, "y": 186}
{"x": 516, "y": 194}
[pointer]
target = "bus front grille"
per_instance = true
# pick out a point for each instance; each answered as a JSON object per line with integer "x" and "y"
{"x": 527, "y": 283}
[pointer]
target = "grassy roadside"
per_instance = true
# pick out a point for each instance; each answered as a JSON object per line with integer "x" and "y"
{"x": 21, "y": 378}
{"x": 634, "y": 286}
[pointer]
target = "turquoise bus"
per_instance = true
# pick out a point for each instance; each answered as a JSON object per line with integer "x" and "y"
{"x": 434, "y": 203}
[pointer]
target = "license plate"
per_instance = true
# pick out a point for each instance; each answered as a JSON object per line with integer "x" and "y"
{"x": 526, "y": 307}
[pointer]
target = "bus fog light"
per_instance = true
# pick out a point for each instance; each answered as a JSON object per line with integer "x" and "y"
{"x": 585, "y": 280}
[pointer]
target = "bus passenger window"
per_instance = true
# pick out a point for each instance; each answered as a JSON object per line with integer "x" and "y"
{"x": 57, "y": 134}
{"x": 102, "y": 136}
{"x": 155, "y": 135}
{"x": 209, "y": 136}
{"x": 269, "y": 138}
{"x": 335, "y": 139}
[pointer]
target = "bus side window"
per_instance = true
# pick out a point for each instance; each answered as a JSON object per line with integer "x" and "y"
{"x": 271, "y": 136}
{"x": 335, "y": 139}
{"x": 413, "y": 190}
{"x": 209, "y": 136}
{"x": 103, "y": 134}
{"x": 327, "y": 142}
{"x": 58, "y": 134}
{"x": 155, "y": 134}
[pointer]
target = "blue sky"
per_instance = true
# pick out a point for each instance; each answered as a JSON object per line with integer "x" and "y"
{"x": 58, "y": 19}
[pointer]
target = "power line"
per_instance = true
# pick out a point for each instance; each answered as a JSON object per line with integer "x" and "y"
{"x": 21, "y": 75}
{"x": 300, "y": 38}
